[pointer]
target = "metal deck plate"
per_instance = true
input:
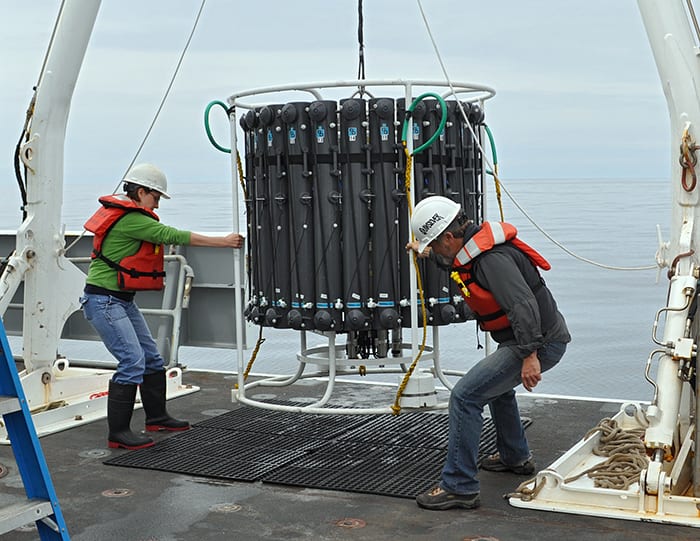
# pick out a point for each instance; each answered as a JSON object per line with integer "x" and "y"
{"x": 377, "y": 454}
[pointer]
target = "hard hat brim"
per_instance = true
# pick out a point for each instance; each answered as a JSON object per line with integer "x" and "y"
{"x": 164, "y": 195}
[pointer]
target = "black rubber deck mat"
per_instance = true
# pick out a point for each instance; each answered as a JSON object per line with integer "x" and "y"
{"x": 364, "y": 467}
{"x": 377, "y": 454}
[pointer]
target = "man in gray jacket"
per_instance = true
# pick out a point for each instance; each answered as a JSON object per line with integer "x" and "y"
{"x": 501, "y": 284}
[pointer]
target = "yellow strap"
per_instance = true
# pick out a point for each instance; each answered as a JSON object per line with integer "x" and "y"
{"x": 253, "y": 355}
{"x": 239, "y": 165}
{"x": 396, "y": 407}
{"x": 497, "y": 184}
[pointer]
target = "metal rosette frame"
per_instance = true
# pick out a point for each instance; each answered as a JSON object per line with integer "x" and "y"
{"x": 327, "y": 218}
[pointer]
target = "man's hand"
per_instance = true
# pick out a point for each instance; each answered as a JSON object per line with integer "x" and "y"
{"x": 414, "y": 246}
{"x": 531, "y": 373}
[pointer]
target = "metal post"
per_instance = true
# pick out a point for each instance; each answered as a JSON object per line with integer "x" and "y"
{"x": 52, "y": 284}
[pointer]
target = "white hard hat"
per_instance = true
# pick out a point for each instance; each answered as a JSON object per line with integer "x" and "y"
{"x": 431, "y": 217}
{"x": 148, "y": 176}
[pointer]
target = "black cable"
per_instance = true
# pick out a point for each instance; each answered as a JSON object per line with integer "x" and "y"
{"x": 21, "y": 178}
{"x": 361, "y": 41}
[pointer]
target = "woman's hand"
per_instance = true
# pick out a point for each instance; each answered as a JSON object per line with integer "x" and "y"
{"x": 234, "y": 240}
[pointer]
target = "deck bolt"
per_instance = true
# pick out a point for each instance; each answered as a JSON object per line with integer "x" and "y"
{"x": 350, "y": 523}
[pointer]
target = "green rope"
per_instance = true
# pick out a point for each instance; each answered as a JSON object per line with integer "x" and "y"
{"x": 208, "y": 130}
{"x": 443, "y": 120}
{"x": 493, "y": 145}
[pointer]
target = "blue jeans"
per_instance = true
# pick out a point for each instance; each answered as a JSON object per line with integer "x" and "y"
{"x": 491, "y": 381}
{"x": 123, "y": 330}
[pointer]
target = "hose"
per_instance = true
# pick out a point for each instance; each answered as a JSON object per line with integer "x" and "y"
{"x": 496, "y": 180}
{"x": 443, "y": 120}
{"x": 217, "y": 146}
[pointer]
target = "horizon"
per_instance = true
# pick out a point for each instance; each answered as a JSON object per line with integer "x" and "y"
{"x": 565, "y": 100}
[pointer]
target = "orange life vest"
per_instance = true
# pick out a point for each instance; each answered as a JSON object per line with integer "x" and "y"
{"x": 487, "y": 311}
{"x": 140, "y": 271}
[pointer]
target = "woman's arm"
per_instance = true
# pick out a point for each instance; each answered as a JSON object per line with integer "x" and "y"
{"x": 232, "y": 240}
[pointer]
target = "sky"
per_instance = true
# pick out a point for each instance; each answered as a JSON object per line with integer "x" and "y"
{"x": 577, "y": 91}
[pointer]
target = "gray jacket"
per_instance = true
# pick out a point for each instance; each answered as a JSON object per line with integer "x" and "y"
{"x": 519, "y": 289}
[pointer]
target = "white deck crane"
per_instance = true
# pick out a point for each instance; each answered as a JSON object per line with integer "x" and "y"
{"x": 668, "y": 489}
{"x": 61, "y": 395}
{"x": 52, "y": 284}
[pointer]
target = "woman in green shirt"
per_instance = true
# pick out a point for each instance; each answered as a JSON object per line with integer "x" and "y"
{"x": 128, "y": 257}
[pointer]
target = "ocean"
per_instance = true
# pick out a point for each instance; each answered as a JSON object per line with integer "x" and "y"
{"x": 609, "y": 312}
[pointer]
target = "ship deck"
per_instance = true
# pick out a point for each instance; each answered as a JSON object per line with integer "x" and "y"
{"x": 106, "y": 503}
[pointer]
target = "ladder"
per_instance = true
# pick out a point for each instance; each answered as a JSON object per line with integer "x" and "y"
{"x": 41, "y": 505}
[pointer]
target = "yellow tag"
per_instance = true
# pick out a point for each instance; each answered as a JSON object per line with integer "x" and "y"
{"x": 458, "y": 280}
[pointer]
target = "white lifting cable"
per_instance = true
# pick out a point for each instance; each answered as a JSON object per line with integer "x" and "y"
{"x": 167, "y": 90}
{"x": 488, "y": 162}
{"x": 155, "y": 116}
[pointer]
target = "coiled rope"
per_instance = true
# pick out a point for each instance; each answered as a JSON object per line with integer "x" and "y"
{"x": 626, "y": 456}
{"x": 626, "y": 460}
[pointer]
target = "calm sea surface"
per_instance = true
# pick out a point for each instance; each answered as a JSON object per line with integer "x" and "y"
{"x": 610, "y": 313}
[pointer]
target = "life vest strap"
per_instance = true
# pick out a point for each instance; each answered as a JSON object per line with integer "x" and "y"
{"x": 131, "y": 272}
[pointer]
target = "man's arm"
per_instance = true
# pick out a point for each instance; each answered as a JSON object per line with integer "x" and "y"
{"x": 499, "y": 273}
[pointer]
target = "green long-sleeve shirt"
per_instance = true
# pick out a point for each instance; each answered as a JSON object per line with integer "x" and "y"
{"x": 124, "y": 239}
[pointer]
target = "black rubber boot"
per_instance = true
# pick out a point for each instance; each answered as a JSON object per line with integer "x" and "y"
{"x": 120, "y": 406}
{"x": 153, "y": 399}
